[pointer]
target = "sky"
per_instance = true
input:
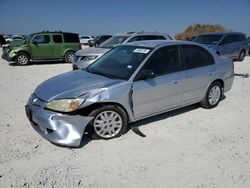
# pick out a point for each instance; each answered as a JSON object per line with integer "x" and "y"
{"x": 94, "y": 17}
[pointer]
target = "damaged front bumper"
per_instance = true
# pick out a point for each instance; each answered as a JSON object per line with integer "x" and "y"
{"x": 58, "y": 128}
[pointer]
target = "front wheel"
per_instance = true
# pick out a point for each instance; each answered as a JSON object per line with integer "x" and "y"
{"x": 242, "y": 55}
{"x": 109, "y": 122}
{"x": 22, "y": 59}
{"x": 213, "y": 96}
{"x": 69, "y": 57}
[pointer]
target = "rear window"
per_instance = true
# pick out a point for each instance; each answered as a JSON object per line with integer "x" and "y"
{"x": 68, "y": 37}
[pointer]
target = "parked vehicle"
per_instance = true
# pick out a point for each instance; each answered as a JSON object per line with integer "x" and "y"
{"x": 2, "y": 40}
{"x": 229, "y": 44}
{"x": 87, "y": 56}
{"x": 85, "y": 39}
{"x": 44, "y": 46}
{"x": 128, "y": 83}
{"x": 98, "y": 40}
{"x": 248, "y": 39}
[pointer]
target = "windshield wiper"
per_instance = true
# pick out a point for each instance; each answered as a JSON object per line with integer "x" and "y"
{"x": 100, "y": 73}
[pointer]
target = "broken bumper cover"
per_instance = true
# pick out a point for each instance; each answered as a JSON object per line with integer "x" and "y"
{"x": 58, "y": 128}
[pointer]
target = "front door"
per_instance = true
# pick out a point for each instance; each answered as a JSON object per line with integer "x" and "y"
{"x": 41, "y": 47}
{"x": 162, "y": 92}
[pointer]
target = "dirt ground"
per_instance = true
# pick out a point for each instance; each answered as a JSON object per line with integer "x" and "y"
{"x": 190, "y": 147}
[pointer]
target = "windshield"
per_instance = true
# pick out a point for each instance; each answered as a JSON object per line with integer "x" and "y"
{"x": 27, "y": 40}
{"x": 119, "y": 63}
{"x": 113, "y": 41}
{"x": 208, "y": 39}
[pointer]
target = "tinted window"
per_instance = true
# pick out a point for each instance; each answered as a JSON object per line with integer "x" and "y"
{"x": 152, "y": 37}
{"x": 195, "y": 56}
{"x": 69, "y": 37}
{"x": 208, "y": 39}
{"x": 42, "y": 39}
{"x": 57, "y": 38}
{"x": 164, "y": 61}
{"x": 137, "y": 38}
{"x": 228, "y": 39}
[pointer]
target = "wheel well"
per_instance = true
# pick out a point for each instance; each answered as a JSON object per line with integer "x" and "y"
{"x": 87, "y": 110}
{"x": 68, "y": 51}
{"x": 24, "y": 52}
{"x": 220, "y": 81}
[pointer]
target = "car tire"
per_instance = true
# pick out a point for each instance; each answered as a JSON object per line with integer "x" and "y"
{"x": 69, "y": 56}
{"x": 110, "y": 121}
{"x": 22, "y": 59}
{"x": 242, "y": 55}
{"x": 213, "y": 95}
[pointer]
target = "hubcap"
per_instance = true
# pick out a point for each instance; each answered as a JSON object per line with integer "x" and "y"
{"x": 70, "y": 57}
{"x": 107, "y": 124}
{"x": 214, "y": 95}
{"x": 22, "y": 59}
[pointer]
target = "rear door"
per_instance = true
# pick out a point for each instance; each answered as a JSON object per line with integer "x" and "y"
{"x": 227, "y": 47}
{"x": 199, "y": 72}
{"x": 162, "y": 92}
{"x": 41, "y": 47}
{"x": 57, "y": 45}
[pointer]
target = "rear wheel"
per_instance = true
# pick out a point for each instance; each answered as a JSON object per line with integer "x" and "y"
{"x": 22, "y": 59}
{"x": 69, "y": 57}
{"x": 109, "y": 122}
{"x": 242, "y": 55}
{"x": 213, "y": 95}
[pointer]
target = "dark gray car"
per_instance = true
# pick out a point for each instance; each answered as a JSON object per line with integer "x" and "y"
{"x": 129, "y": 83}
{"x": 229, "y": 44}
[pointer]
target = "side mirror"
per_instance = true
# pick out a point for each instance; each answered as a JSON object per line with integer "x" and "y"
{"x": 145, "y": 74}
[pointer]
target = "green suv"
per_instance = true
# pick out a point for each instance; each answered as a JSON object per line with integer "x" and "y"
{"x": 43, "y": 46}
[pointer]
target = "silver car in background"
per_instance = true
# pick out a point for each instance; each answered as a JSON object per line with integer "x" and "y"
{"x": 84, "y": 57}
{"x": 127, "y": 84}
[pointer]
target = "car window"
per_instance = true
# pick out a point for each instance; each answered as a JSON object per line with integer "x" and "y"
{"x": 71, "y": 38}
{"x": 113, "y": 41}
{"x": 195, "y": 56}
{"x": 227, "y": 39}
{"x": 136, "y": 38}
{"x": 119, "y": 63}
{"x": 164, "y": 61}
{"x": 57, "y": 38}
{"x": 42, "y": 39}
{"x": 153, "y": 37}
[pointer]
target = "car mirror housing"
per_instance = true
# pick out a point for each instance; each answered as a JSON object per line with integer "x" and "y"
{"x": 144, "y": 75}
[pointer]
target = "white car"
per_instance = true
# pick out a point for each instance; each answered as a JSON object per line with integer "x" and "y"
{"x": 85, "y": 39}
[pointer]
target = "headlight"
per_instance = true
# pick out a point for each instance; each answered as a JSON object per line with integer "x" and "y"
{"x": 90, "y": 58}
{"x": 65, "y": 105}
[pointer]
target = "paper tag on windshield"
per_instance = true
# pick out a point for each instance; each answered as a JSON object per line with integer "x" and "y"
{"x": 141, "y": 50}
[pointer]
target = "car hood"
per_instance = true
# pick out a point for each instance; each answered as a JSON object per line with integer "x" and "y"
{"x": 91, "y": 51}
{"x": 71, "y": 85}
{"x": 17, "y": 43}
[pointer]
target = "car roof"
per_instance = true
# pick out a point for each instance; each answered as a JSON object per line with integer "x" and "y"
{"x": 154, "y": 43}
{"x": 54, "y": 32}
{"x": 139, "y": 33}
{"x": 221, "y": 33}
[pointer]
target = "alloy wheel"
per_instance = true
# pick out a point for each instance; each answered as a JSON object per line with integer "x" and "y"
{"x": 107, "y": 124}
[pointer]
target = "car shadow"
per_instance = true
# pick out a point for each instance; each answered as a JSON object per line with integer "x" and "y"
{"x": 87, "y": 137}
{"x": 39, "y": 63}
{"x": 136, "y": 125}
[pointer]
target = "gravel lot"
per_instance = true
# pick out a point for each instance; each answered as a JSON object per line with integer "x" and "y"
{"x": 191, "y": 147}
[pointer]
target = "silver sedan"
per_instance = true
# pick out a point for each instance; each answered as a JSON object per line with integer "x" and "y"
{"x": 128, "y": 83}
